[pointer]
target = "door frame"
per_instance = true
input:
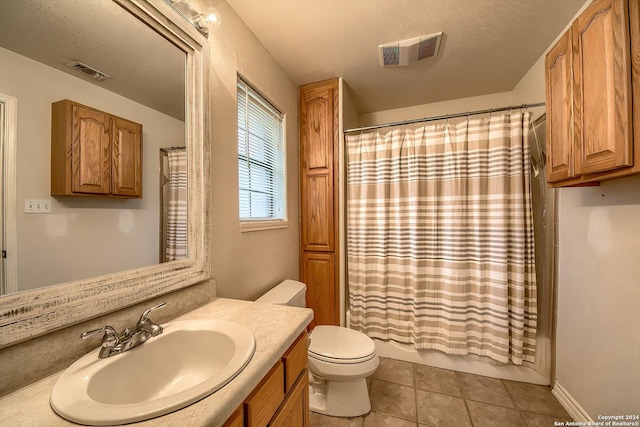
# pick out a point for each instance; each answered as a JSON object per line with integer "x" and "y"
{"x": 8, "y": 192}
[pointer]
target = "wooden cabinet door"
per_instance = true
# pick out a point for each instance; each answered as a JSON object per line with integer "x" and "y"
{"x": 126, "y": 151}
{"x": 263, "y": 403}
{"x": 558, "y": 72}
{"x": 318, "y": 272}
{"x": 236, "y": 419}
{"x": 318, "y": 152}
{"x": 602, "y": 88}
{"x": 295, "y": 361}
{"x": 634, "y": 25}
{"x": 295, "y": 410}
{"x": 90, "y": 151}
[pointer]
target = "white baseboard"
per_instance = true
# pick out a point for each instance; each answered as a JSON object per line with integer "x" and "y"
{"x": 569, "y": 403}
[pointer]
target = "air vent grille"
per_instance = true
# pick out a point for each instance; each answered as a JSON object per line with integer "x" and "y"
{"x": 391, "y": 55}
{"x": 428, "y": 48}
{"x": 403, "y": 52}
{"x": 89, "y": 71}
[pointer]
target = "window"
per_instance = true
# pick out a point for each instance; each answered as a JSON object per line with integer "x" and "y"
{"x": 260, "y": 160}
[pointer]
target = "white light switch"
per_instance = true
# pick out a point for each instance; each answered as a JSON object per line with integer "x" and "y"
{"x": 32, "y": 206}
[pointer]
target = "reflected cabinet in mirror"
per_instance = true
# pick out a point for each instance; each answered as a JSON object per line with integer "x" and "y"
{"x": 72, "y": 257}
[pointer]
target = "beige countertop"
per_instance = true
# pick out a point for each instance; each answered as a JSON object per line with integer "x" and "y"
{"x": 274, "y": 327}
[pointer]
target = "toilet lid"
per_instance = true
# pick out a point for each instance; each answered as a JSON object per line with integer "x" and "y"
{"x": 340, "y": 344}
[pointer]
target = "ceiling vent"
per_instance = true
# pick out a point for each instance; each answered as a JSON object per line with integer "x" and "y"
{"x": 91, "y": 72}
{"x": 401, "y": 53}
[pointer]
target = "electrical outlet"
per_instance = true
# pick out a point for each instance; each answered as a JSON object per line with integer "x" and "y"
{"x": 37, "y": 206}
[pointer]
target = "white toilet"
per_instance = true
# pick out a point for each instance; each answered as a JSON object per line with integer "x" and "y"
{"x": 340, "y": 360}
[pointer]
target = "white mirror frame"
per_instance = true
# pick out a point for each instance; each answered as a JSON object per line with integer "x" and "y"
{"x": 25, "y": 315}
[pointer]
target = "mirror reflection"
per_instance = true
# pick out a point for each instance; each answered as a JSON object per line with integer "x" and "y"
{"x": 64, "y": 238}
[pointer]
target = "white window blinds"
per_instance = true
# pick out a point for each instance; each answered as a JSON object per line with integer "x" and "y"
{"x": 260, "y": 157}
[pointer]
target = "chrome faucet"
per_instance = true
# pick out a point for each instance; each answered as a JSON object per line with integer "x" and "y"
{"x": 113, "y": 343}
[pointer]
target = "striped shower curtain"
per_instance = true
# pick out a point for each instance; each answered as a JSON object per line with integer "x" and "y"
{"x": 176, "y": 223}
{"x": 440, "y": 237}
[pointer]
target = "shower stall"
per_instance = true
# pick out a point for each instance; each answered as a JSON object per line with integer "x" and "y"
{"x": 538, "y": 372}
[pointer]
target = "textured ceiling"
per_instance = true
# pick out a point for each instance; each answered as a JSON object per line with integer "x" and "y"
{"x": 144, "y": 66}
{"x": 488, "y": 45}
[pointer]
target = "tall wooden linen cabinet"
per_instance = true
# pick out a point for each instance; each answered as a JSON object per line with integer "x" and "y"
{"x": 319, "y": 249}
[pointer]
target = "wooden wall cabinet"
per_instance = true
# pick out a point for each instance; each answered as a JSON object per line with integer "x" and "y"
{"x": 282, "y": 397}
{"x": 94, "y": 153}
{"x": 319, "y": 179}
{"x": 592, "y": 93}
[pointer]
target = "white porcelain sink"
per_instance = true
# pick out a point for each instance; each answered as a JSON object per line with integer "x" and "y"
{"x": 188, "y": 361}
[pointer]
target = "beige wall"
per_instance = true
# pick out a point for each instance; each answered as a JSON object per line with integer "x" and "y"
{"x": 598, "y": 286}
{"x": 437, "y": 109}
{"x": 245, "y": 265}
{"x": 82, "y": 237}
{"x": 598, "y": 332}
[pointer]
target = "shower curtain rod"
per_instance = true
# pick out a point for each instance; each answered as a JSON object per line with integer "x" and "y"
{"x": 172, "y": 148}
{"x": 446, "y": 116}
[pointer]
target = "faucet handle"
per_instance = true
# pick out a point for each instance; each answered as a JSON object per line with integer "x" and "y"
{"x": 145, "y": 316}
{"x": 148, "y": 325}
{"x": 109, "y": 339}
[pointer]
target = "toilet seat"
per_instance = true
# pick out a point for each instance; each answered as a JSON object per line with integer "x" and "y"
{"x": 335, "y": 344}
{"x": 341, "y": 361}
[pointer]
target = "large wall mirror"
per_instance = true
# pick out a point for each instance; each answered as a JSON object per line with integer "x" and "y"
{"x": 86, "y": 256}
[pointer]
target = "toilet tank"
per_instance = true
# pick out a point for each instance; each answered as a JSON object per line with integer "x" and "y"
{"x": 289, "y": 292}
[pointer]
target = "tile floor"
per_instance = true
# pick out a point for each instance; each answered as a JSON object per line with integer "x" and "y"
{"x": 405, "y": 394}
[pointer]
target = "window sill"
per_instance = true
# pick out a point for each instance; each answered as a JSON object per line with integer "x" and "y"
{"x": 248, "y": 226}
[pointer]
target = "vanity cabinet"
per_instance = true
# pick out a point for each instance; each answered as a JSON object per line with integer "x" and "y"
{"x": 295, "y": 410}
{"x": 282, "y": 397}
{"x": 592, "y": 97}
{"x": 94, "y": 152}
{"x": 319, "y": 180}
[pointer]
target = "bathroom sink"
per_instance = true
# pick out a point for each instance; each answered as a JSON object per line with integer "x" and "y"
{"x": 188, "y": 361}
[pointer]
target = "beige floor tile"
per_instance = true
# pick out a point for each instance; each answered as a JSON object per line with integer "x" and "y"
{"x": 375, "y": 419}
{"x": 535, "y": 398}
{"x": 319, "y": 420}
{"x": 435, "y": 379}
{"x": 395, "y": 371}
{"x": 441, "y": 410}
{"x": 538, "y": 420}
{"x": 485, "y": 415}
{"x": 484, "y": 389}
{"x": 393, "y": 399}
